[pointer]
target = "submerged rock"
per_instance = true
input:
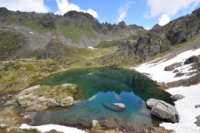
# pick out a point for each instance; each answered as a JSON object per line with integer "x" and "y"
{"x": 163, "y": 110}
{"x": 177, "y": 97}
{"x": 118, "y": 107}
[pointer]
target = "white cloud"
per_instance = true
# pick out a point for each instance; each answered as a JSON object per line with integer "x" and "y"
{"x": 64, "y": 6}
{"x": 123, "y": 10}
{"x": 169, "y": 7}
{"x": 164, "y": 20}
{"x": 25, "y": 5}
{"x": 93, "y": 13}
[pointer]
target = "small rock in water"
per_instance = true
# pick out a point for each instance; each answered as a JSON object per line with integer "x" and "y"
{"x": 121, "y": 105}
{"x": 118, "y": 107}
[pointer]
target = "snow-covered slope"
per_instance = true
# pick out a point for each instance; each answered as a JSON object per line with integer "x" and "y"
{"x": 186, "y": 106}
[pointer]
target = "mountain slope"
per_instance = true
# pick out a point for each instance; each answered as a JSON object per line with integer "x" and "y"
{"x": 160, "y": 39}
{"x": 72, "y": 29}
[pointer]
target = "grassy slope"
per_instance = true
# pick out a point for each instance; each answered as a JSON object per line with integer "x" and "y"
{"x": 10, "y": 42}
{"x": 75, "y": 33}
{"x": 19, "y": 74}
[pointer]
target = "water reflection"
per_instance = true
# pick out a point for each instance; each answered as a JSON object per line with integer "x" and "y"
{"x": 101, "y": 85}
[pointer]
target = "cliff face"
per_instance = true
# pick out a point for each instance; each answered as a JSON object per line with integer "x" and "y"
{"x": 161, "y": 38}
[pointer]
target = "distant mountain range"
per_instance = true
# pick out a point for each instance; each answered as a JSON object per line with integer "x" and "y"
{"x": 40, "y": 35}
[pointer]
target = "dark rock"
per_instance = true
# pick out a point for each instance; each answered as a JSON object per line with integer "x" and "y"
{"x": 197, "y": 106}
{"x": 113, "y": 107}
{"x": 198, "y": 120}
{"x": 48, "y": 21}
{"x": 172, "y": 67}
{"x": 179, "y": 74}
{"x": 122, "y": 24}
{"x": 177, "y": 97}
{"x": 175, "y": 71}
{"x": 4, "y": 12}
{"x": 191, "y": 60}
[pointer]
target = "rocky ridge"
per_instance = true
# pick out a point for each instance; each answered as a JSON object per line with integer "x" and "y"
{"x": 72, "y": 29}
{"x": 158, "y": 40}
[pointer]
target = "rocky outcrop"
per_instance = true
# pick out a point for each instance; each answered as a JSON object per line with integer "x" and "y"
{"x": 177, "y": 97}
{"x": 172, "y": 67}
{"x": 48, "y": 21}
{"x": 118, "y": 107}
{"x": 185, "y": 82}
{"x": 192, "y": 60}
{"x": 160, "y": 38}
{"x": 198, "y": 120}
{"x": 163, "y": 110}
{"x": 38, "y": 97}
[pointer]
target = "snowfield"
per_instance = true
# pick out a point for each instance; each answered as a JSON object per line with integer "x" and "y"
{"x": 49, "y": 127}
{"x": 186, "y": 106}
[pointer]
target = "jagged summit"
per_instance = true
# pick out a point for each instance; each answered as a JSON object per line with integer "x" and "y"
{"x": 161, "y": 38}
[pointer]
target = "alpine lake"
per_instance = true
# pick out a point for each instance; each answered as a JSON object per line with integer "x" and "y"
{"x": 99, "y": 86}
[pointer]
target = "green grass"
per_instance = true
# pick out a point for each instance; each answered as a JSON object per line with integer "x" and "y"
{"x": 11, "y": 21}
{"x": 10, "y": 42}
{"x": 18, "y": 75}
{"x": 107, "y": 44}
{"x": 87, "y": 59}
{"x": 75, "y": 33}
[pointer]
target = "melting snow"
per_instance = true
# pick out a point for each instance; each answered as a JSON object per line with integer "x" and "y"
{"x": 186, "y": 106}
{"x": 49, "y": 127}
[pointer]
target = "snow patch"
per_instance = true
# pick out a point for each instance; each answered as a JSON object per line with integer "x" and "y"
{"x": 186, "y": 106}
{"x": 157, "y": 69}
{"x": 186, "y": 109}
{"x": 49, "y": 127}
{"x": 90, "y": 47}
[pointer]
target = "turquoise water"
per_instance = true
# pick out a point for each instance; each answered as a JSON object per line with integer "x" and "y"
{"x": 100, "y": 85}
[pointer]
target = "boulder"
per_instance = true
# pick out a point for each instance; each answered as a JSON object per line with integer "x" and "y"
{"x": 198, "y": 121}
{"x": 121, "y": 105}
{"x": 177, "y": 97}
{"x": 67, "y": 101}
{"x": 118, "y": 107}
{"x": 197, "y": 106}
{"x": 163, "y": 110}
{"x": 162, "y": 84}
{"x": 172, "y": 67}
{"x": 95, "y": 124}
{"x": 151, "y": 102}
{"x": 190, "y": 60}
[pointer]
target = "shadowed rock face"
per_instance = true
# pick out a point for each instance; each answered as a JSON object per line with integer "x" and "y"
{"x": 161, "y": 38}
{"x": 48, "y": 21}
{"x": 192, "y": 60}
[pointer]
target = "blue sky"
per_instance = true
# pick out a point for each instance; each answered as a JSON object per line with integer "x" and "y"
{"x": 145, "y": 13}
